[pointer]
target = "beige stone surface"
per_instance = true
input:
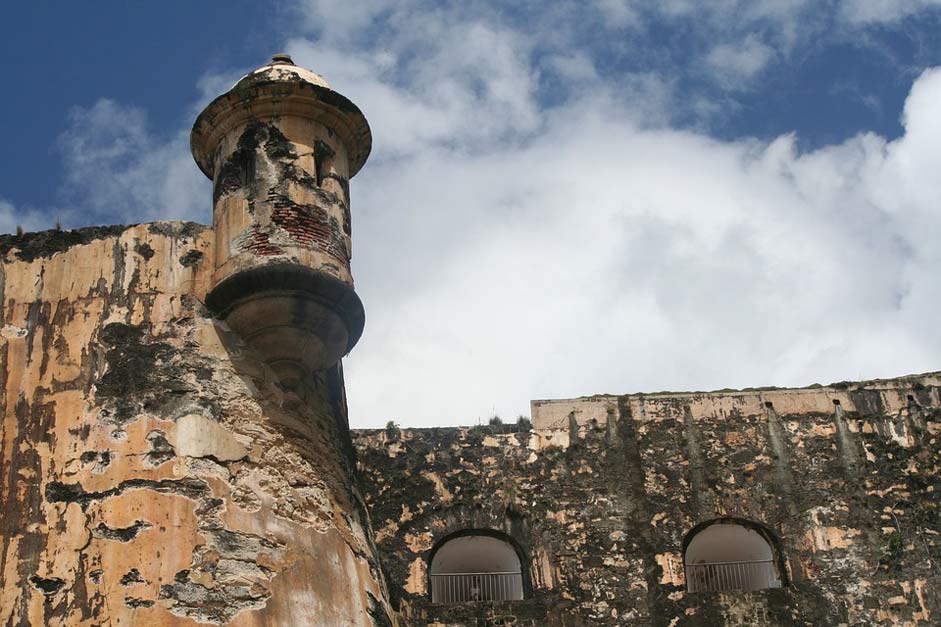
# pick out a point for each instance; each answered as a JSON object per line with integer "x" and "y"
{"x": 280, "y": 148}
{"x": 893, "y": 393}
{"x": 152, "y": 472}
{"x": 604, "y": 494}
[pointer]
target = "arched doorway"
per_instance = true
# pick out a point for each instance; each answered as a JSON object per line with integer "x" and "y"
{"x": 730, "y": 554}
{"x": 475, "y": 566}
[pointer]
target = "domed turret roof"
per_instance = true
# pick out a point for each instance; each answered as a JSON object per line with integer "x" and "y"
{"x": 281, "y": 69}
{"x": 275, "y": 89}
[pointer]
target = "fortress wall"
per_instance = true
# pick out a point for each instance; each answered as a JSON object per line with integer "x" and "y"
{"x": 869, "y": 397}
{"x": 554, "y": 414}
{"x": 602, "y": 508}
{"x": 153, "y": 473}
{"x": 559, "y": 504}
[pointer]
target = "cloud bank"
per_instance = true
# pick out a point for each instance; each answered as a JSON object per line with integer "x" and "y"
{"x": 508, "y": 250}
{"x": 117, "y": 170}
{"x": 532, "y": 225}
{"x": 604, "y": 257}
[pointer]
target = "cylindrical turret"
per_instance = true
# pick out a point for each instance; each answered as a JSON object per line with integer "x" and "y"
{"x": 280, "y": 148}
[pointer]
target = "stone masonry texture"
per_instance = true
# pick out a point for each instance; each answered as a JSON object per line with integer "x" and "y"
{"x": 602, "y": 492}
{"x": 153, "y": 472}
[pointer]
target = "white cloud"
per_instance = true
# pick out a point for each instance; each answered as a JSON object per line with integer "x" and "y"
{"x": 883, "y": 11}
{"x": 781, "y": 21}
{"x": 434, "y": 80}
{"x": 507, "y": 251}
{"x": 115, "y": 169}
{"x": 339, "y": 18}
{"x": 576, "y": 67}
{"x": 601, "y": 257}
{"x": 29, "y": 219}
{"x": 739, "y": 38}
{"x": 739, "y": 63}
{"x": 620, "y": 13}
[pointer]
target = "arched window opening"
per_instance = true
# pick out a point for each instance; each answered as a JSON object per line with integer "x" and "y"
{"x": 726, "y": 556}
{"x": 476, "y": 567}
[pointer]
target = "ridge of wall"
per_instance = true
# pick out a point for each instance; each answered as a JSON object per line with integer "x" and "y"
{"x": 875, "y": 396}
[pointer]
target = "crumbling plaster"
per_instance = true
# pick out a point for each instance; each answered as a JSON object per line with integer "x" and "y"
{"x": 154, "y": 473}
{"x": 602, "y": 493}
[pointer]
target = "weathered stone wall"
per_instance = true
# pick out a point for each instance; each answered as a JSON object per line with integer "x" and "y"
{"x": 153, "y": 472}
{"x": 603, "y": 493}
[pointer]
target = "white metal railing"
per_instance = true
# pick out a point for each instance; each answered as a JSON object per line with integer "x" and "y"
{"x": 729, "y": 576}
{"x": 463, "y": 587}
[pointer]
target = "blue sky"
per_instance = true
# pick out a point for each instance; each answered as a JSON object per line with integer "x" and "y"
{"x": 64, "y": 55}
{"x": 564, "y": 198}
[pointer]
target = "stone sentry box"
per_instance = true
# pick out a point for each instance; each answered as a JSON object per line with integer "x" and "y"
{"x": 167, "y": 463}
{"x": 280, "y": 148}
